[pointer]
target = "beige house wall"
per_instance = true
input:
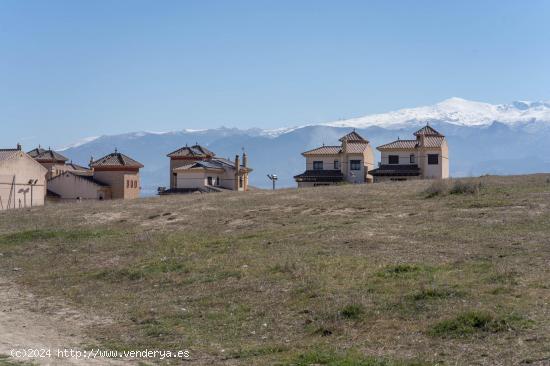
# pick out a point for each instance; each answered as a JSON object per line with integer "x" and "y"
{"x": 356, "y": 176}
{"x": 124, "y": 184}
{"x": 70, "y": 186}
{"x": 199, "y": 179}
{"x": 328, "y": 161}
{"x": 23, "y": 168}
{"x": 439, "y": 171}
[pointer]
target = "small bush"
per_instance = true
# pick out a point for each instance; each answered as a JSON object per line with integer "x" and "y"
{"x": 472, "y": 322}
{"x": 352, "y": 311}
{"x": 465, "y": 187}
{"x": 437, "y": 188}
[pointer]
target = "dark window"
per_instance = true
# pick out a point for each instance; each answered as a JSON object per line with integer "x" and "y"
{"x": 355, "y": 164}
{"x": 209, "y": 181}
{"x": 317, "y": 165}
{"x": 413, "y": 159}
{"x": 393, "y": 159}
{"x": 240, "y": 182}
{"x": 336, "y": 165}
{"x": 217, "y": 181}
{"x": 433, "y": 159}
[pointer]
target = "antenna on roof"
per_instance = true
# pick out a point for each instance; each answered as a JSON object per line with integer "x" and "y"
{"x": 39, "y": 146}
{"x": 186, "y": 144}
{"x": 116, "y": 150}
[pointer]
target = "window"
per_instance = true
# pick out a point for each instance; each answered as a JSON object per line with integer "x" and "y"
{"x": 135, "y": 184}
{"x": 217, "y": 181}
{"x": 209, "y": 181}
{"x": 127, "y": 184}
{"x": 240, "y": 182}
{"x": 336, "y": 165}
{"x": 433, "y": 159}
{"x": 413, "y": 159}
{"x": 355, "y": 164}
{"x": 317, "y": 165}
{"x": 393, "y": 159}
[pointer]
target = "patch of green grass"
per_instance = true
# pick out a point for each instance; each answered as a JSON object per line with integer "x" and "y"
{"x": 352, "y": 311}
{"x": 33, "y": 236}
{"x": 435, "y": 293}
{"x": 475, "y": 322}
{"x": 403, "y": 270}
{"x": 140, "y": 271}
{"x": 350, "y": 358}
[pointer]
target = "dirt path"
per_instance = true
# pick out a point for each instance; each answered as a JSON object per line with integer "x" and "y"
{"x": 26, "y": 323}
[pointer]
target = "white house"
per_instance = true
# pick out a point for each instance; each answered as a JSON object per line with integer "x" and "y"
{"x": 349, "y": 162}
{"x": 195, "y": 168}
{"x": 425, "y": 157}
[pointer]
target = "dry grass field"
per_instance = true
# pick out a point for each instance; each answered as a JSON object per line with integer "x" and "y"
{"x": 406, "y": 273}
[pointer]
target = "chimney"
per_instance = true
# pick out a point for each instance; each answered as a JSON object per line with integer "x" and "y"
{"x": 18, "y": 146}
{"x": 345, "y": 146}
{"x": 237, "y": 164}
{"x": 245, "y": 160}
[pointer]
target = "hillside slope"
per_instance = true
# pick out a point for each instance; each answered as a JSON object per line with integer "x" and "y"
{"x": 316, "y": 276}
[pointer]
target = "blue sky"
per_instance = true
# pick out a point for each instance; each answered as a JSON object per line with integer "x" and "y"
{"x": 72, "y": 69}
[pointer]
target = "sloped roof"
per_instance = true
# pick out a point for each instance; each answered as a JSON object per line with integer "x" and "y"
{"x": 195, "y": 151}
{"x": 324, "y": 150}
{"x": 7, "y": 154}
{"x": 116, "y": 159}
{"x": 357, "y": 147}
{"x": 352, "y": 136}
{"x": 40, "y": 154}
{"x": 399, "y": 144}
{"x": 433, "y": 141}
{"x": 429, "y": 141}
{"x": 84, "y": 176}
{"x": 76, "y": 166}
{"x": 215, "y": 163}
{"x": 427, "y": 131}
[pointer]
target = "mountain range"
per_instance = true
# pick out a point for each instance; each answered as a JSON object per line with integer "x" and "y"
{"x": 483, "y": 139}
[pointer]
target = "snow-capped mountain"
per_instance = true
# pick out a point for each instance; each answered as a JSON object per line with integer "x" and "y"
{"x": 483, "y": 139}
{"x": 455, "y": 111}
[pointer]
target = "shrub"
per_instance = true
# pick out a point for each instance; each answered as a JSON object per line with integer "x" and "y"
{"x": 437, "y": 188}
{"x": 352, "y": 311}
{"x": 400, "y": 270}
{"x": 466, "y": 187}
{"x": 472, "y": 322}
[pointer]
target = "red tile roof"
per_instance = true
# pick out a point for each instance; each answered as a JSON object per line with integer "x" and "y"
{"x": 352, "y": 136}
{"x": 427, "y": 131}
{"x": 116, "y": 159}
{"x": 196, "y": 151}
{"x": 43, "y": 155}
{"x": 324, "y": 150}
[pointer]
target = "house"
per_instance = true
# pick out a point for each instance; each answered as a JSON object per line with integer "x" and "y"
{"x": 75, "y": 184}
{"x": 114, "y": 176}
{"x": 22, "y": 180}
{"x": 195, "y": 168}
{"x": 51, "y": 160}
{"x": 349, "y": 162}
{"x": 425, "y": 157}
{"x": 120, "y": 172}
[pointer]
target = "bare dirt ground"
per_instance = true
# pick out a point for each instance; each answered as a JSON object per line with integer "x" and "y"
{"x": 24, "y": 326}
